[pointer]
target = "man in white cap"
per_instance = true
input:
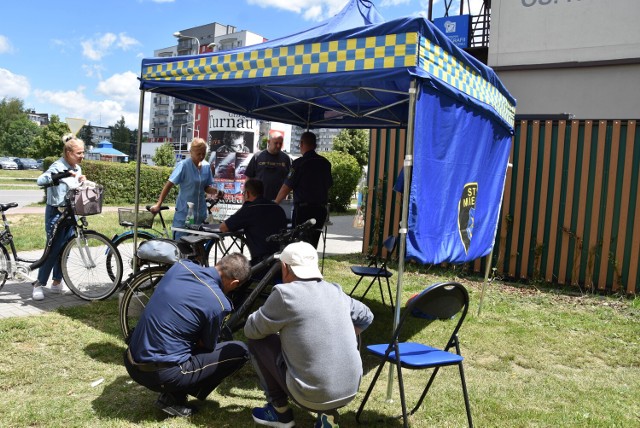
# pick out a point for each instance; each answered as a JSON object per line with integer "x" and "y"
{"x": 303, "y": 343}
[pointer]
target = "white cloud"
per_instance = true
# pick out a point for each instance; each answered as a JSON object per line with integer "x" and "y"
{"x": 13, "y": 85}
{"x": 389, "y": 3}
{"x": 119, "y": 97}
{"x": 314, "y": 10}
{"x": 125, "y": 42}
{"x": 5, "y": 45}
{"x": 95, "y": 49}
{"x": 123, "y": 88}
{"x": 93, "y": 70}
{"x": 473, "y": 5}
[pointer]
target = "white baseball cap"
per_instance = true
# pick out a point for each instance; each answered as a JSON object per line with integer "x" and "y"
{"x": 303, "y": 260}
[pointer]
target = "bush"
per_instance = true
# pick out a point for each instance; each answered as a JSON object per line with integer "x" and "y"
{"x": 119, "y": 181}
{"x": 346, "y": 175}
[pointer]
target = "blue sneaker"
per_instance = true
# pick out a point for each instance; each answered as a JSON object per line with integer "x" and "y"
{"x": 267, "y": 415}
{"x": 325, "y": 421}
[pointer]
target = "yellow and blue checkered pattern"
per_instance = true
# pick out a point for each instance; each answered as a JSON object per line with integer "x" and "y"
{"x": 440, "y": 64}
{"x": 357, "y": 54}
{"x": 348, "y": 55}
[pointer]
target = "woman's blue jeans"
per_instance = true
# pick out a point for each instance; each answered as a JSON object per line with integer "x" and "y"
{"x": 51, "y": 215}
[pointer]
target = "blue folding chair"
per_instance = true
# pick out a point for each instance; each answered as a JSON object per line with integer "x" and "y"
{"x": 376, "y": 270}
{"x": 448, "y": 302}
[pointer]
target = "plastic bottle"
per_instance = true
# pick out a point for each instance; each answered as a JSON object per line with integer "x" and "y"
{"x": 190, "y": 216}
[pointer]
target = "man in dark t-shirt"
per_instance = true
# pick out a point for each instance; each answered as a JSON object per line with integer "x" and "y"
{"x": 258, "y": 218}
{"x": 270, "y": 166}
{"x": 310, "y": 179}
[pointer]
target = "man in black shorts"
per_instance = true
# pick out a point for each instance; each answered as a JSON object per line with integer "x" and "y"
{"x": 310, "y": 179}
{"x": 258, "y": 218}
{"x": 270, "y": 166}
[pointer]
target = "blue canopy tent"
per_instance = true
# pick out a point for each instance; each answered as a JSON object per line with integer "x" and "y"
{"x": 358, "y": 71}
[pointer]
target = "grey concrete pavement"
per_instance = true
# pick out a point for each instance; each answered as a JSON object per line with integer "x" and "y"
{"x": 23, "y": 197}
{"x": 15, "y": 296}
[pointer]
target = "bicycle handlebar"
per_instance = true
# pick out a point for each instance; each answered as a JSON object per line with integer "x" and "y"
{"x": 211, "y": 202}
{"x": 290, "y": 234}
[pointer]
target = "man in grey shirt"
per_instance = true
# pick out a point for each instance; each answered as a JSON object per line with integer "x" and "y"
{"x": 303, "y": 342}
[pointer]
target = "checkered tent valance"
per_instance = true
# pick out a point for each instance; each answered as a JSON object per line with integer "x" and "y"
{"x": 348, "y": 55}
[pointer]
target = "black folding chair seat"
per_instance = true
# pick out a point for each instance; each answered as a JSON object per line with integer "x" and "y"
{"x": 376, "y": 270}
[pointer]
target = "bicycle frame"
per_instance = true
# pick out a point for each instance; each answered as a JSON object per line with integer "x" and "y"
{"x": 23, "y": 267}
{"x": 227, "y": 329}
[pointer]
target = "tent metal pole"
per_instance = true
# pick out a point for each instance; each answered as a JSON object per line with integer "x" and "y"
{"x": 408, "y": 164}
{"x": 486, "y": 277}
{"x": 137, "y": 191}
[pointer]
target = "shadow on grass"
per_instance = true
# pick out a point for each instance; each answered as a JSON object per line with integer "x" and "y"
{"x": 105, "y": 352}
{"x": 125, "y": 400}
{"x": 101, "y": 315}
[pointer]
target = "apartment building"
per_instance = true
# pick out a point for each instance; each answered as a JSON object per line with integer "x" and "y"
{"x": 176, "y": 121}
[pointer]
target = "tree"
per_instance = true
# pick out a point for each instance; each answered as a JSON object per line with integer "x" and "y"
{"x": 346, "y": 174}
{"x": 86, "y": 134}
{"x": 133, "y": 146}
{"x": 164, "y": 155}
{"x": 121, "y": 136}
{"x": 354, "y": 142}
{"x": 18, "y": 139}
{"x": 11, "y": 109}
{"x": 49, "y": 141}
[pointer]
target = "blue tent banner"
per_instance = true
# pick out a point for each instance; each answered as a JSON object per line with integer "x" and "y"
{"x": 456, "y": 188}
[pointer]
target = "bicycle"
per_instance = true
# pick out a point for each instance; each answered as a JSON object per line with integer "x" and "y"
{"x": 140, "y": 288}
{"x": 83, "y": 257}
{"x": 219, "y": 243}
{"x": 124, "y": 241}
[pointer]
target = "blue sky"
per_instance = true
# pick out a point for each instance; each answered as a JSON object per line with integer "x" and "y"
{"x": 81, "y": 59}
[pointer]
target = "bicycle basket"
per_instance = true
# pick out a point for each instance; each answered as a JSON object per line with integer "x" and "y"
{"x": 127, "y": 217}
{"x": 87, "y": 200}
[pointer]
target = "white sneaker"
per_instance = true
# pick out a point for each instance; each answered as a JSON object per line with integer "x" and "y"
{"x": 57, "y": 288}
{"x": 38, "y": 293}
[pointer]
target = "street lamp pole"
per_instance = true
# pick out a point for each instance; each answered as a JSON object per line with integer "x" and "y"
{"x": 180, "y": 143}
{"x": 179, "y": 35}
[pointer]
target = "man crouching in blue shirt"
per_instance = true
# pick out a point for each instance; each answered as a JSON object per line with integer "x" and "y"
{"x": 174, "y": 347}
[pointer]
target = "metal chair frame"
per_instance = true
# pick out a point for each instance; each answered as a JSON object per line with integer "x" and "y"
{"x": 377, "y": 269}
{"x": 442, "y": 302}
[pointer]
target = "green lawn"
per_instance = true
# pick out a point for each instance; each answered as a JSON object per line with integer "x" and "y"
{"x": 533, "y": 358}
{"x": 19, "y": 179}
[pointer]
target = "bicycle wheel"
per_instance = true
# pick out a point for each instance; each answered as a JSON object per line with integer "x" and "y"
{"x": 210, "y": 253}
{"x": 124, "y": 244}
{"x": 84, "y": 266}
{"x": 138, "y": 291}
{"x": 5, "y": 265}
{"x": 215, "y": 250}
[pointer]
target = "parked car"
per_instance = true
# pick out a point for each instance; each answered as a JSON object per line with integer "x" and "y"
{"x": 40, "y": 163}
{"x": 8, "y": 163}
{"x": 26, "y": 163}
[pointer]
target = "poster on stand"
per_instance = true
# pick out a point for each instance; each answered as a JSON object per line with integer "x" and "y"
{"x": 232, "y": 141}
